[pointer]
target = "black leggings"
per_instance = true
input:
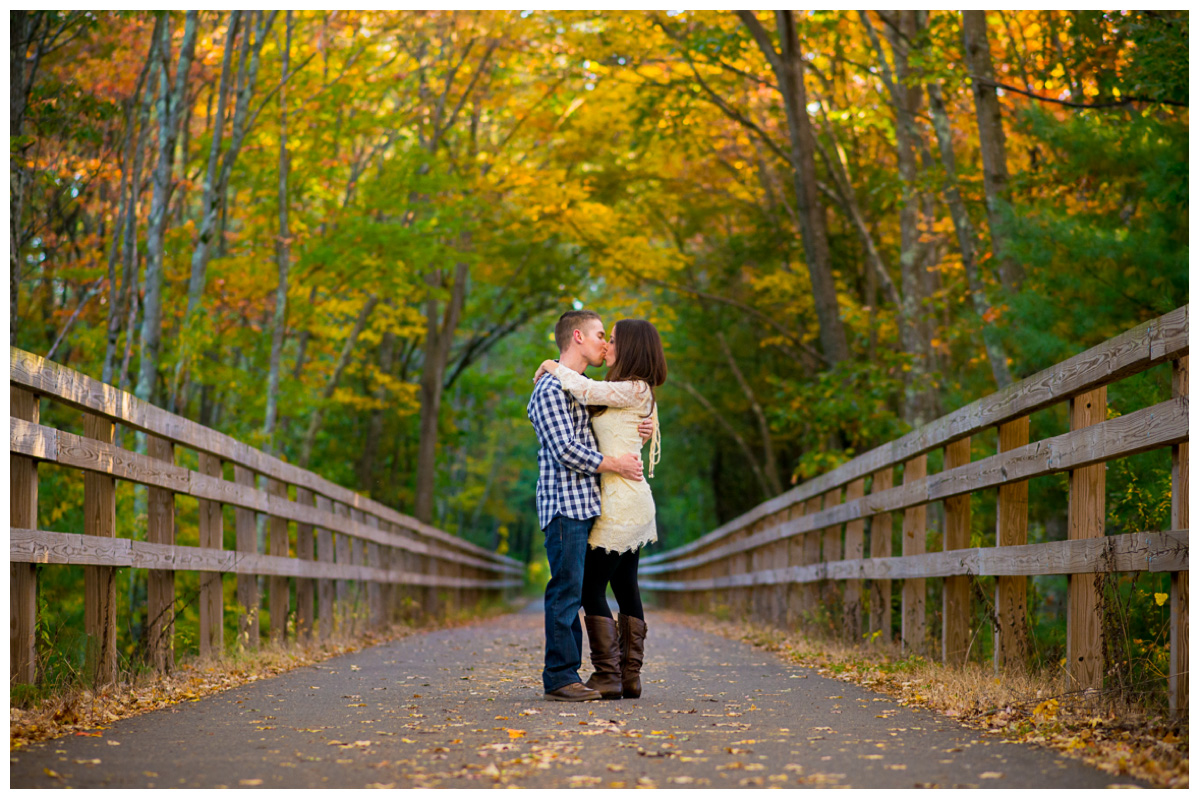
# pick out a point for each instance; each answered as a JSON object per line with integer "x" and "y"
{"x": 602, "y": 567}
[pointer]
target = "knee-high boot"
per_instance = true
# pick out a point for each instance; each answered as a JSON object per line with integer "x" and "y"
{"x": 606, "y": 658}
{"x": 631, "y": 637}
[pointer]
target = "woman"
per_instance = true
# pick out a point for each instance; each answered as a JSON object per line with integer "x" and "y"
{"x": 636, "y": 364}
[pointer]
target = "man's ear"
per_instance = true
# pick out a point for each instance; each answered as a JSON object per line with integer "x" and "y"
{"x": 577, "y": 336}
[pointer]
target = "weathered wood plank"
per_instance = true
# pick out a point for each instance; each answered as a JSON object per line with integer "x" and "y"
{"x": 92, "y": 456}
{"x": 342, "y": 588}
{"x": 1150, "y": 343}
{"x": 1011, "y": 636}
{"x": 912, "y": 595}
{"x": 304, "y": 586}
{"x": 1085, "y": 520}
{"x": 956, "y": 590}
{"x": 1177, "y": 681}
{"x": 80, "y": 391}
{"x": 54, "y": 547}
{"x": 278, "y": 590}
{"x": 325, "y": 619}
{"x": 99, "y": 583}
{"x": 881, "y": 547}
{"x": 212, "y": 535}
{"x": 831, "y": 550}
{"x": 852, "y": 603}
{"x": 1150, "y": 428}
{"x": 22, "y": 513}
{"x": 1159, "y": 551}
{"x": 27, "y": 438}
{"x": 160, "y": 583}
{"x": 247, "y": 545}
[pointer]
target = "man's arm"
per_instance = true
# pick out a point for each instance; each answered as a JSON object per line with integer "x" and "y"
{"x": 551, "y": 418}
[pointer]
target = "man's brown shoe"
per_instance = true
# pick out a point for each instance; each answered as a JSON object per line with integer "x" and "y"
{"x": 572, "y": 693}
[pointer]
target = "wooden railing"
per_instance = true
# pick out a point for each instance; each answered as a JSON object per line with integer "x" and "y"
{"x": 781, "y": 561}
{"x": 350, "y": 562}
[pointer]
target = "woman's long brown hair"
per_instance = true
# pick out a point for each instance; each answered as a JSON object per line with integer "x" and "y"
{"x": 640, "y": 357}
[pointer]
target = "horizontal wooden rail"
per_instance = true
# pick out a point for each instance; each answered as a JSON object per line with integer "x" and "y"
{"x": 53, "y": 547}
{"x": 1150, "y": 428}
{"x": 1158, "y": 551}
{"x": 48, "y": 379}
{"x": 1154, "y": 342}
{"x": 48, "y": 444}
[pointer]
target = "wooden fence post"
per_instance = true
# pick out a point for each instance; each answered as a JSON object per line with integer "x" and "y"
{"x": 325, "y": 585}
{"x": 881, "y": 547}
{"x": 277, "y": 585}
{"x": 374, "y": 588}
{"x": 212, "y": 535}
{"x": 100, "y": 583}
{"x": 912, "y": 599}
{"x": 810, "y": 554}
{"x": 831, "y": 550}
{"x": 304, "y": 586}
{"x": 758, "y": 561}
{"x": 342, "y": 612}
{"x": 1085, "y": 520}
{"x": 739, "y": 564}
{"x": 23, "y": 499}
{"x": 956, "y": 589}
{"x": 247, "y": 584}
{"x": 1177, "y": 681}
{"x": 1012, "y": 528}
{"x": 358, "y": 590}
{"x": 160, "y": 583}
{"x": 852, "y": 600}
{"x": 795, "y": 558}
{"x": 779, "y": 560}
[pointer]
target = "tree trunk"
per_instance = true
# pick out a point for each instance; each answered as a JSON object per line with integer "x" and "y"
{"x": 992, "y": 145}
{"x": 170, "y": 101}
{"x": 788, "y": 65}
{"x": 915, "y": 333}
{"x": 965, "y": 232}
{"x": 438, "y": 340}
{"x": 127, "y": 218}
{"x": 217, "y": 176}
{"x": 283, "y": 256}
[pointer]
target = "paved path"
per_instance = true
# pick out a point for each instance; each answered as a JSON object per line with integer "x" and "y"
{"x": 464, "y": 708}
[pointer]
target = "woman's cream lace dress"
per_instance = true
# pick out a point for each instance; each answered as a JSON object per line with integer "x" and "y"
{"x": 626, "y": 519}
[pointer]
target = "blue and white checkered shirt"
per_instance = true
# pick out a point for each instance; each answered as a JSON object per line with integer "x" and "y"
{"x": 568, "y": 483}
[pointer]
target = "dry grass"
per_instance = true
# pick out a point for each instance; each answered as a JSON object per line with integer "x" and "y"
{"x": 1113, "y": 735}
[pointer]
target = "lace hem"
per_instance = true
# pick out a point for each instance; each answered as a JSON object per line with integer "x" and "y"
{"x": 628, "y": 549}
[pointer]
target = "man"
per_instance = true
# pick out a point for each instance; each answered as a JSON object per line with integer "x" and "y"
{"x": 568, "y": 498}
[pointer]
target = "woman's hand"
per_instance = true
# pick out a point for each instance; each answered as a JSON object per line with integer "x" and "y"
{"x": 546, "y": 366}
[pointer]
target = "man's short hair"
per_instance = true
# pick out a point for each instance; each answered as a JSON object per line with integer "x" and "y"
{"x": 568, "y": 323}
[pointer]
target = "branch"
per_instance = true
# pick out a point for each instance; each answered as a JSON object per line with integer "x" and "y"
{"x": 1117, "y": 103}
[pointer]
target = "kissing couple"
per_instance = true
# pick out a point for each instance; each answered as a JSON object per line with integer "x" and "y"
{"x": 594, "y": 506}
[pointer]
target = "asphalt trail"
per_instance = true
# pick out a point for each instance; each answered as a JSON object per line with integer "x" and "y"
{"x": 463, "y": 708}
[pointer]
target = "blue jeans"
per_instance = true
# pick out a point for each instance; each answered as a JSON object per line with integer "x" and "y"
{"x": 566, "y": 547}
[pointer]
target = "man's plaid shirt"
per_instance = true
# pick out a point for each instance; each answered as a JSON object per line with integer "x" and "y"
{"x": 568, "y": 483}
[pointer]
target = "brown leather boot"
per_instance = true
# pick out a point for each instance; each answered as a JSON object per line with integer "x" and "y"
{"x": 631, "y": 638}
{"x": 602, "y": 637}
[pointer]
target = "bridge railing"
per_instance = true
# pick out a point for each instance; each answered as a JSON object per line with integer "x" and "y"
{"x": 349, "y": 562}
{"x": 781, "y": 561}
